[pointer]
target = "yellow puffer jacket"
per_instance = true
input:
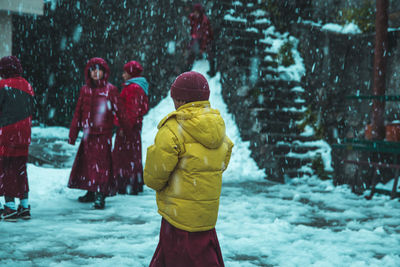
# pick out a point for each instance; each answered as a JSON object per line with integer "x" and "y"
{"x": 185, "y": 166}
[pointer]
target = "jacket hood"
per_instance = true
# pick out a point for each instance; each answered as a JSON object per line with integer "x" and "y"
{"x": 102, "y": 64}
{"x": 202, "y": 122}
{"x": 141, "y": 81}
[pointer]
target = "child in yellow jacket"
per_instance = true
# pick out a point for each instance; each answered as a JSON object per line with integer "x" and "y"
{"x": 184, "y": 167}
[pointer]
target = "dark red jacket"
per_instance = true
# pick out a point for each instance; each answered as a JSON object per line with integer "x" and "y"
{"x": 200, "y": 28}
{"x": 16, "y": 100}
{"x": 136, "y": 104}
{"x": 97, "y": 104}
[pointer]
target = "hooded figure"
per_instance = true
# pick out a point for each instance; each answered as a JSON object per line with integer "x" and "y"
{"x": 184, "y": 166}
{"x": 127, "y": 153}
{"x": 16, "y": 98}
{"x": 94, "y": 114}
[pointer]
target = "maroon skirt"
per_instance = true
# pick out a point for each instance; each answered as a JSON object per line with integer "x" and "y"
{"x": 92, "y": 168}
{"x": 127, "y": 160}
{"x": 13, "y": 176}
{"x": 179, "y": 248}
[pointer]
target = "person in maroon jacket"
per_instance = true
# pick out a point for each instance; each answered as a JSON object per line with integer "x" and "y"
{"x": 16, "y": 99}
{"x": 201, "y": 37}
{"x": 127, "y": 153}
{"x": 94, "y": 114}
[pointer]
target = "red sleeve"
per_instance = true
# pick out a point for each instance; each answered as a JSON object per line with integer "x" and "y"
{"x": 136, "y": 103}
{"x": 119, "y": 109}
{"x": 76, "y": 120}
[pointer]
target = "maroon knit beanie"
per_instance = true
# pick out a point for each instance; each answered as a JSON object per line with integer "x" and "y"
{"x": 190, "y": 86}
{"x": 198, "y": 7}
{"x": 10, "y": 67}
{"x": 133, "y": 68}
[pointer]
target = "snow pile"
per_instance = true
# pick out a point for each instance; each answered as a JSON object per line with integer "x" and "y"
{"x": 349, "y": 28}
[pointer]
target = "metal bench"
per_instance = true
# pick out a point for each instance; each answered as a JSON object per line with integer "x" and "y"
{"x": 363, "y": 145}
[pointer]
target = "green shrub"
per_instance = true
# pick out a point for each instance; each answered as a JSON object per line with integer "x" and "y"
{"x": 318, "y": 166}
{"x": 311, "y": 118}
{"x": 285, "y": 55}
{"x": 363, "y": 16}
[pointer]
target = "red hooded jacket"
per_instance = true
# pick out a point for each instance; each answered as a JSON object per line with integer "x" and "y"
{"x": 16, "y": 99}
{"x": 97, "y": 104}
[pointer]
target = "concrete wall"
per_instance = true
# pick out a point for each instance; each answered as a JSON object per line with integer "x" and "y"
{"x": 5, "y": 34}
{"x": 9, "y": 7}
{"x": 23, "y": 6}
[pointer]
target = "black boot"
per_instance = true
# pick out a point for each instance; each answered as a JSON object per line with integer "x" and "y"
{"x": 211, "y": 72}
{"x": 88, "y": 197}
{"x": 99, "y": 203}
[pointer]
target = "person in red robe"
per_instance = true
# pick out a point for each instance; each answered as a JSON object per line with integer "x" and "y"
{"x": 127, "y": 153}
{"x": 201, "y": 37}
{"x": 16, "y": 99}
{"x": 94, "y": 114}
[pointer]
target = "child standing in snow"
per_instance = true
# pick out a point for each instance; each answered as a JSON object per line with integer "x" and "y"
{"x": 127, "y": 153}
{"x": 94, "y": 113}
{"x": 16, "y": 98}
{"x": 184, "y": 167}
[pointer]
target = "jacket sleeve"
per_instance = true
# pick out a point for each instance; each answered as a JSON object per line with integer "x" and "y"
{"x": 119, "y": 110}
{"x": 76, "y": 120}
{"x": 229, "y": 143}
{"x": 161, "y": 160}
{"x": 136, "y": 104}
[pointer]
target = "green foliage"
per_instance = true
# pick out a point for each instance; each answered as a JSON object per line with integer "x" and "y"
{"x": 311, "y": 118}
{"x": 318, "y": 166}
{"x": 363, "y": 16}
{"x": 279, "y": 13}
{"x": 285, "y": 56}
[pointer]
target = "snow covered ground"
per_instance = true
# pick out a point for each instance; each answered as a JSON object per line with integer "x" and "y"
{"x": 306, "y": 222}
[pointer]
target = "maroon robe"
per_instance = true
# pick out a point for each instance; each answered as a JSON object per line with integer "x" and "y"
{"x": 179, "y": 248}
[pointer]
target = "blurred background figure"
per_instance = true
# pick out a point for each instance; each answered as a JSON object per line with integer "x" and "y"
{"x": 201, "y": 38}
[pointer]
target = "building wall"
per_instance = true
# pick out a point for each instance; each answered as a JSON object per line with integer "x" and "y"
{"x": 23, "y": 6}
{"x": 9, "y": 7}
{"x": 5, "y": 34}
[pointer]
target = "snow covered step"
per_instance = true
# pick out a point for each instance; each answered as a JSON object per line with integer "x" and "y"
{"x": 254, "y": 101}
{"x": 231, "y": 32}
{"x": 274, "y": 138}
{"x": 265, "y": 54}
{"x": 246, "y": 42}
{"x": 271, "y": 126}
{"x": 264, "y": 45}
{"x": 242, "y": 50}
{"x": 279, "y": 84}
{"x": 291, "y": 148}
{"x": 272, "y": 92}
{"x": 231, "y": 22}
{"x": 268, "y": 63}
{"x": 297, "y": 172}
{"x": 293, "y": 162}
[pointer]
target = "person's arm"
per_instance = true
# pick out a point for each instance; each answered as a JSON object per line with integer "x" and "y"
{"x": 229, "y": 144}
{"x": 118, "y": 107}
{"x": 161, "y": 159}
{"x": 134, "y": 104}
{"x": 75, "y": 123}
